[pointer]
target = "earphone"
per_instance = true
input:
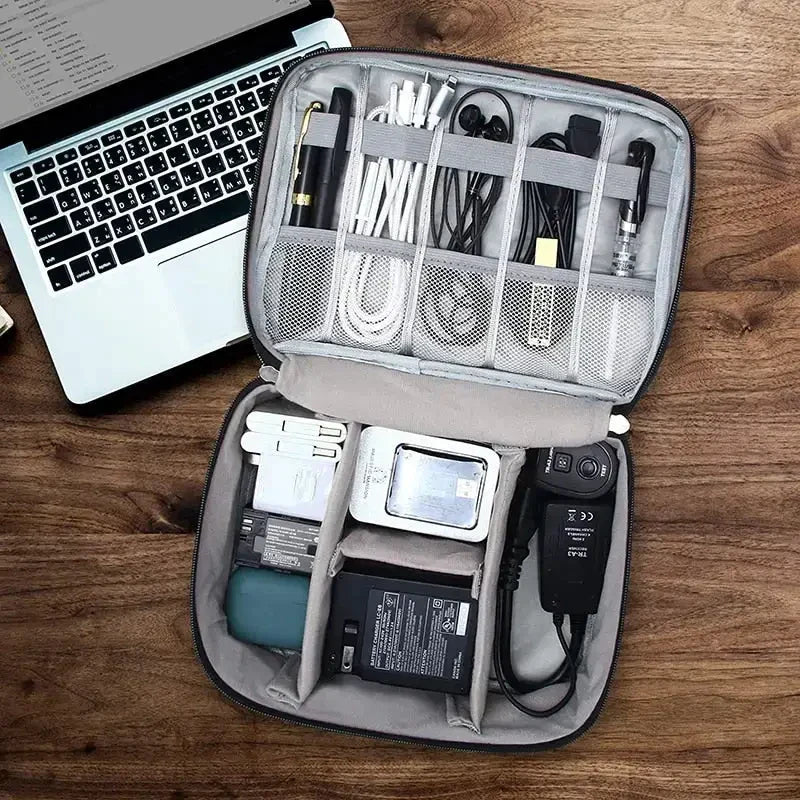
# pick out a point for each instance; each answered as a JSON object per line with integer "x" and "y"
{"x": 481, "y": 193}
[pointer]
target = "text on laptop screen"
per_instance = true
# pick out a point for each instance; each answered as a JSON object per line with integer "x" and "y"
{"x": 52, "y": 51}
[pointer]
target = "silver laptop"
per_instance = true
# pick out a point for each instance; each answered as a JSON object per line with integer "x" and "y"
{"x": 129, "y": 133}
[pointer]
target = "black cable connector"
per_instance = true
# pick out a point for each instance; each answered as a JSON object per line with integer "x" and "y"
{"x": 583, "y": 135}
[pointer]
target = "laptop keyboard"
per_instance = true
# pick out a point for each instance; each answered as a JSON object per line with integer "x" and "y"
{"x": 148, "y": 184}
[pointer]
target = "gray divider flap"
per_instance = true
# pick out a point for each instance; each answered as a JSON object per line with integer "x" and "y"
{"x": 437, "y": 406}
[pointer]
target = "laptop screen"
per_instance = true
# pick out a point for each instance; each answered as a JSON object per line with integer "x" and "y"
{"x": 53, "y": 51}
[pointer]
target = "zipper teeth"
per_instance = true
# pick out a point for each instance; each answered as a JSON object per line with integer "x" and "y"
{"x": 624, "y": 439}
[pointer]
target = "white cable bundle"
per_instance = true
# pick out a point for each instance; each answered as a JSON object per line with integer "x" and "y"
{"x": 390, "y": 178}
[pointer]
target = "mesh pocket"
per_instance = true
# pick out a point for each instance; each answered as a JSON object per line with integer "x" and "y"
{"x": 616, "y": 337}
{"x": 535, "y": 327}
{"x": 371, "y": 300}
{"x": 297, "y": 290}
{"x": 453, "y": 313}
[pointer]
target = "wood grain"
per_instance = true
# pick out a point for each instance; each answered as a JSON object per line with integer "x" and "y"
{"x": 100, "y": 693}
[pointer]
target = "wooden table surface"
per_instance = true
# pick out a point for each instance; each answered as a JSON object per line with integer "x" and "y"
{"x": 100, "y": 692}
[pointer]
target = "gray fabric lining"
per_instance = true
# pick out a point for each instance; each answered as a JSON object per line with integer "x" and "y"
{"x": 494, "y": 158}
{"x": 266, "y": 677}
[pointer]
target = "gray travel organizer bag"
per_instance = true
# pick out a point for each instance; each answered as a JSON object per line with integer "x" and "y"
{"x": 607, "y": 336}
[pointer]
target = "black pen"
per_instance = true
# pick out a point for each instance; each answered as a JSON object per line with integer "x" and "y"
{"x": 333, "y": 160}
{"x": 306, "y": 160}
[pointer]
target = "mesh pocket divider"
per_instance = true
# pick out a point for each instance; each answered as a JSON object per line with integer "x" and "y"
{"x": 536, "y": 316}
{"x": 617, "y": 332}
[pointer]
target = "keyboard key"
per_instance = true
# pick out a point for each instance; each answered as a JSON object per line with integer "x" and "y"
{"x": 90, "y": 191}
{"x": 125, "y": 201}
{"x": 159, "y": 138}
{"x": 42, "y": 166}
{"x": 134, "y": 173}
{"x": 145, "y": 217}
{"x": 180, "y": 110}
{"x": 232, "y": 181}
{"x": 81, "y": 268}
{"x": 179, "y": 154}
{"x": 203, "y": 120}
{"x": 162, "y": 118}
{"x": 210, "y": 190}
{"x": 198, "y": 221}
{"x": 247, "y": 82}
{"x": 222, "y": 137}
{"x": 224, "y": 112}
{"x": 39, "y": 212}
{"x": 213, "y": 165}
{"x": 243, "y": 129}
{"x": 249, "y": 173}
{"x": 191, "y": 173}
{"x": 271, "y": 74}
{"x": 100, "y": 235}
{"x": 147, "y": 191}
{"x": 247, "y": 103}
{"x": 199, "y": 147}
{"x": 89, "y": 147}
{"x": 253, "y": 145}
{"x": 235, "y": 156}
{"x": 67, "y": 156}
{"x": 265, "y": 94}
{"x": 180, "y": 130}
{"x": 115, "y": 156}
{"x": 59, "y": 278}
{"x": 189, "y": 199}
{"x": 259, "y": 120}
{"x": 137, "y": 147}
{"x": 49, "y": 183}
{"x": 27, "y": 192}
{"x": 122, "y": 226}
{"x": 111, "y": 138}
{"x": 112, "y": 182}
{"x": 104, "y": 260}
{"x": 70, "y": 174}
{"x": 20, "y": 174}
{"x": 66, "y": 248}
{"x": 93, "y": 166}
{"x": 225, "y": 91}
{"x": 103, "y": 209}
{"x": 202, "y": 101}
{"x": 68, "y": 200}
{"x": 134, "y": 128}
{"x": 156, "y": 164}
{"x": 170, "y": 183}
{"x": 82, "y": 218}
{"x": 166, "y": 208}
{"x": 128, "y": 249}
{"x": 49, "y": 231}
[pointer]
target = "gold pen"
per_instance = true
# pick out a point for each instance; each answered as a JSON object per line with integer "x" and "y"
{"x": 306, "y": 160}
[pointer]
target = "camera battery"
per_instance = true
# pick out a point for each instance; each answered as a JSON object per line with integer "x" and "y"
{"x": 418, "y": 632}
{"x": 269, "y": 540}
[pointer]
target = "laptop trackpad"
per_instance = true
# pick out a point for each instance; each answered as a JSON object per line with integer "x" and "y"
{"x": 205, "y": 289}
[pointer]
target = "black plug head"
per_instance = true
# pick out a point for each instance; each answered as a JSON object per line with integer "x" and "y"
{"x": 583, "y": 135}
{"x": 471, "y": 119}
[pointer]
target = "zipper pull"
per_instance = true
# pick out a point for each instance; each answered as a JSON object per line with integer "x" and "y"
{"x": 618, "y": 424}
{"x": 268, "y": 374}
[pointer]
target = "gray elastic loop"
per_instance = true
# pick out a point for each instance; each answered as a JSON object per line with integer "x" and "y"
{"x": 352, "y": 182}
{"x": 495, "y": 158}
{"x": 509, "y": 223}
{"x": 422, "y": 238}
{"x": 590, "y": 233}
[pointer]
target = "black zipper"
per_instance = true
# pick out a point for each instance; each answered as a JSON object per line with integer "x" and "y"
{"x": 265, "y": 357}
